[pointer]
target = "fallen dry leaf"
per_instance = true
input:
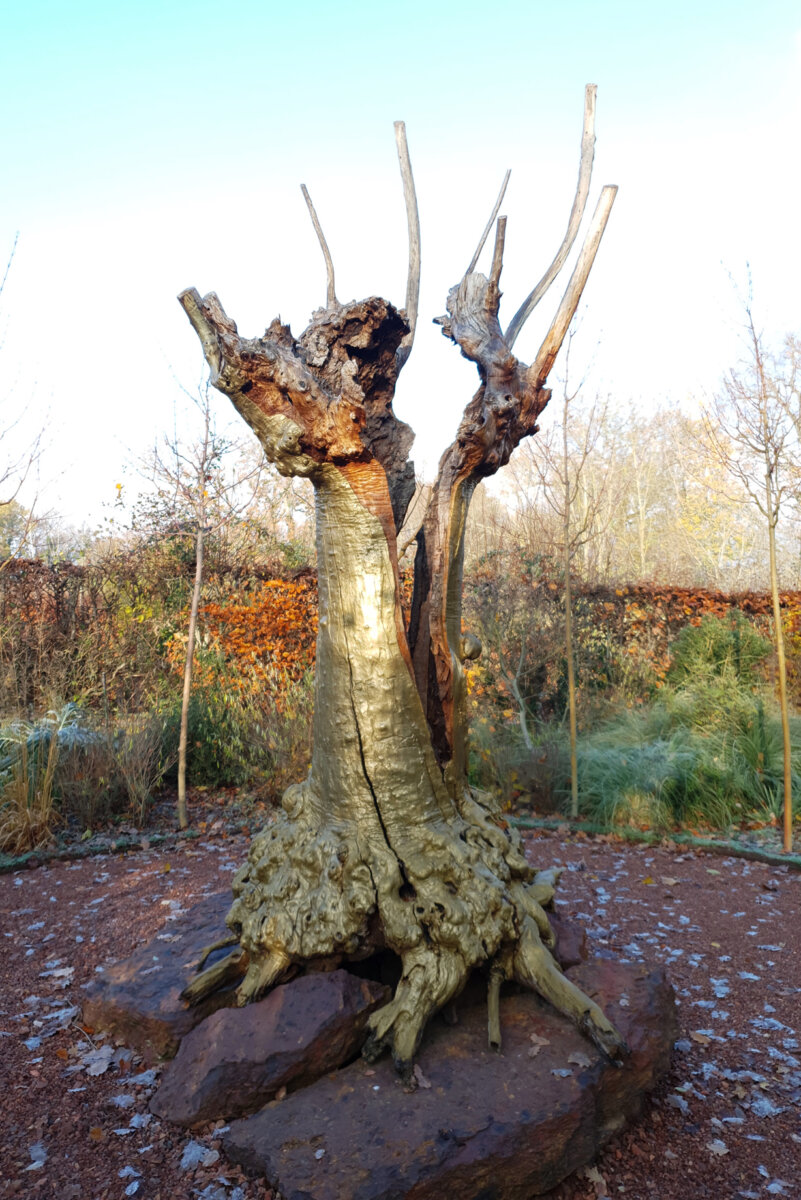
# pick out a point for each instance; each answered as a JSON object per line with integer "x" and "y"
{"x": 717, "y": 1147}
{"x": 579, "y": 1059}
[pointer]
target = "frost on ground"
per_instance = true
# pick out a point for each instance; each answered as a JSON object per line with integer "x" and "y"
{"x": 726, "y": 1122}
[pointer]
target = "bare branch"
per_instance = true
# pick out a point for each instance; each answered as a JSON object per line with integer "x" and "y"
{"x": 576, "y": 214}
{"x": 413, "y": 220}
{"x": 540, "y": 368}
{"x": 8, "y": 264}
{"x": 331, "y": 296}
{"x": 489, "y": 224}
{"x": 497, "y": 254}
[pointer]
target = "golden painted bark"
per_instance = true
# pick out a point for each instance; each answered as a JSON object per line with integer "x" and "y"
{"x": 383, "y": 844}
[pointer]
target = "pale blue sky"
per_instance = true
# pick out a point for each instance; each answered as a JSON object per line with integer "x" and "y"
{"x": 149, "y": 147}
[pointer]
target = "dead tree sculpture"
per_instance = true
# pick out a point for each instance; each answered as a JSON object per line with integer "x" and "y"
{"x": 384, "y": 844}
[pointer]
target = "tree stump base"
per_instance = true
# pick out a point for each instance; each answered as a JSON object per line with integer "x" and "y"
{"x": 480, "y": 1124}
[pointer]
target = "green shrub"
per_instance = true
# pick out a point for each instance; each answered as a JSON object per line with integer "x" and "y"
{"x": 700, "y": 756}
{"x": 720, "y": 647}
{"x": 261, "y": 738}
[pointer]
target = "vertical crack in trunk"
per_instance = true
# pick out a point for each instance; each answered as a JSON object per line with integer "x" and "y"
{"x": 365, "y": 772}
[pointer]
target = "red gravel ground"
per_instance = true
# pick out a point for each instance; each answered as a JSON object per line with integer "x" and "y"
{"x": 725, "y": 1124}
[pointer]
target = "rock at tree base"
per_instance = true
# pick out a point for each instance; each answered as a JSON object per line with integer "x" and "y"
{"x": 571, "y": 941}
{"x": 238, "y": 1058}
{"x": 139, "y": 998}
{"x": 481, "y": 1126}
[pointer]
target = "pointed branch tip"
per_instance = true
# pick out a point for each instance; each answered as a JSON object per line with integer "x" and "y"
{"x": 574, "y": 221}
{"x": 489, "y": 224}
{"x": 413, "y": 223}
{"x": 331, "y": 296}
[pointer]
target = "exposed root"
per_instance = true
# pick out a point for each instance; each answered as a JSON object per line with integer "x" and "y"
{"x": 536, "y": 967}
{"x": 226, "y": 941}
{"x": 447, "y": 897}
{"x": 430, "y": 979}
{"x": 216, "y": 976}
{"x": 261, "y": 975}
{"x": 494, "y": 1008}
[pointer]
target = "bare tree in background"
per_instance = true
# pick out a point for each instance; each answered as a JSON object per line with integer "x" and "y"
{"x": 384, "y": 843}
{"x": 559, "y": 466}
{"x": 15, "y": 467}
{"x": 751, "y": 427}
{"x": 195, "y": 497}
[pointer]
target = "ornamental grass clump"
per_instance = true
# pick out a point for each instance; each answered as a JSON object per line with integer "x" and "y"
{"x": 708, "y": 752}
{"x": 28, "y": 759}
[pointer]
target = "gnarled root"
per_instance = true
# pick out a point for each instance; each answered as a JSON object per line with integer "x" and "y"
{"x": 232, "y": 967}
{"x": 261, "y": 975}
{"x": 535, "y": 966}
{"x": 430, "y": 979}
{"x": 447, "y": 897}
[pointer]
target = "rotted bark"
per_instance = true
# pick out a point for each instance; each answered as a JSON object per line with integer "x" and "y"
{"x": 383, "y": 844}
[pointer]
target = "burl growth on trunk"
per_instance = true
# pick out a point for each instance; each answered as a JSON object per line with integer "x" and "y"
{"x": 384, "y": 845}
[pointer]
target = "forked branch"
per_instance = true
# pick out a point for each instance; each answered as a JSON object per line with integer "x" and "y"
{"x": 331, "y": 296}
{"x": 489, "y": 224}
{"x": 576, "y": 214}
{"x": 413, "y": 221}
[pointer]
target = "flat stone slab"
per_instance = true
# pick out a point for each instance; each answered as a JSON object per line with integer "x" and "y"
{"x": 139, "y": 998}
{"x": 238, "y": 1058}
{"x": 481, "y": 1126}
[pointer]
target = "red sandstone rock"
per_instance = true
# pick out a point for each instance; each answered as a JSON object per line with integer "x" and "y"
{"x": 571, "y": 941}
{"x": 482, "y": 1125}
{"x": 239, "y": 1058}
{"x": 139, "y": 998}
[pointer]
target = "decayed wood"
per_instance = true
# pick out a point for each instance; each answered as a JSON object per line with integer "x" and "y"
{"x": 384, "y": 844}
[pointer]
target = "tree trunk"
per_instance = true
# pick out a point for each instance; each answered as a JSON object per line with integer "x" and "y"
{"x": 778, "y": 641}
{"x": 571, "y": 686}
{"x": 383, "y": 844}
{"x": 183, "y": 816}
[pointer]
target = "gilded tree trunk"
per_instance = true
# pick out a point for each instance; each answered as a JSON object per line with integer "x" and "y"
{"x": 383, "y": 845}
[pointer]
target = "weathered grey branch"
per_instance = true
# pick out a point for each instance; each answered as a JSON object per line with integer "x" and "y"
{"x": 497, "y": 254}
{"x": 489, "y": 224}
{"x": 576, "y": 214}
{"x": 413, "y": 220}
{"x": 331, "y": 296}
{"x": 539, "y": 370}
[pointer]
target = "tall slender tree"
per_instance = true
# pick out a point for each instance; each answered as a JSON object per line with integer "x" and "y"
{"x": 560, "y": 470}
{"x": 751, "y": 428}
{"x": 384, "y": 844}
{"x": 194, "y": 497}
